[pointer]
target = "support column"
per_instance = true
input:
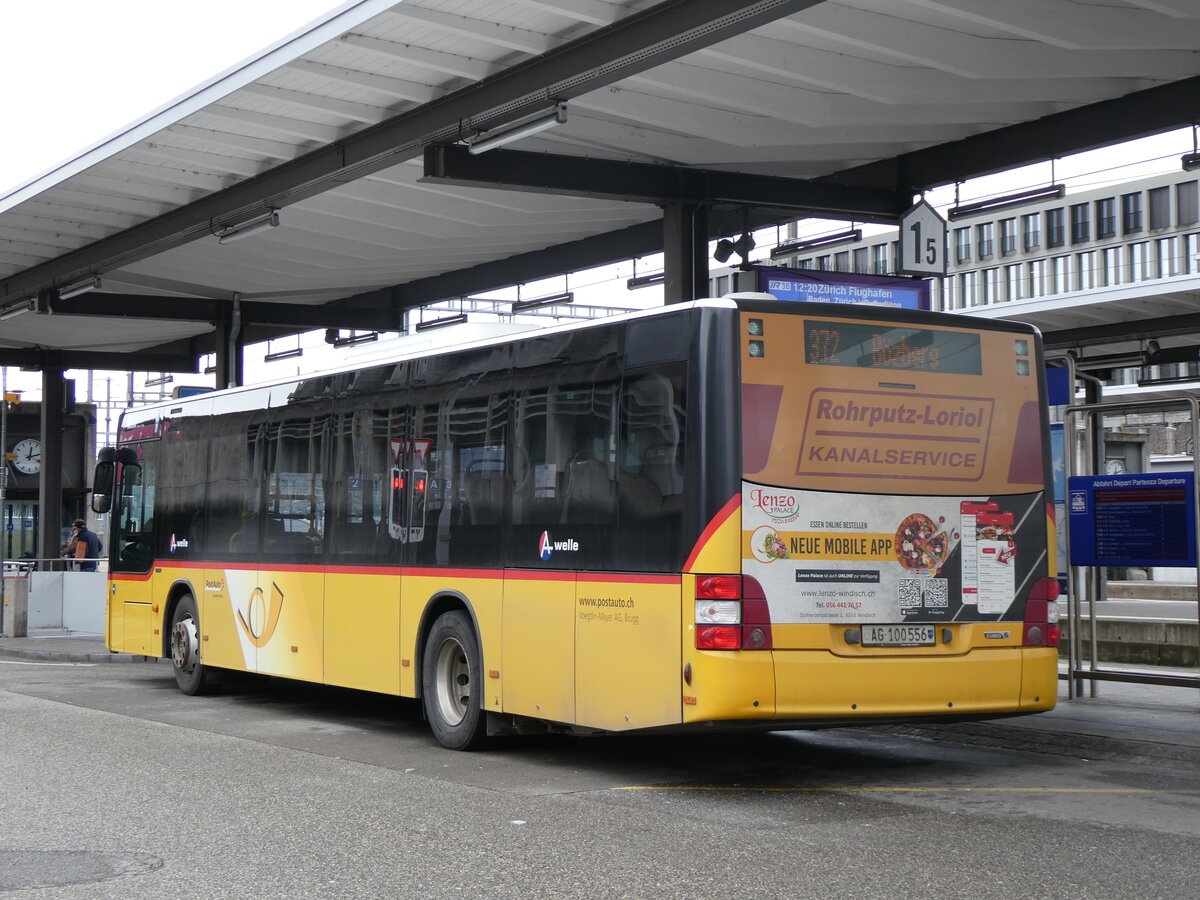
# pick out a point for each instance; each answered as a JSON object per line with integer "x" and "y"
{"x": 50, "y": 483}
{"x": 230, "y": 362}
{"x": 685, "y": 251}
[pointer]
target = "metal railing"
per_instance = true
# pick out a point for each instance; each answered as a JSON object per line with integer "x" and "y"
{"x": 24, "y": 565}
{"x": 1084, "y": 580}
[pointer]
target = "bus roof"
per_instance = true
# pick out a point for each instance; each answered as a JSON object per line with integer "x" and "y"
{"x": 750, "y": 301}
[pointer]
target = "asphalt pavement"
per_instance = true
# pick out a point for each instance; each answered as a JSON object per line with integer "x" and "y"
{"x": 1122, "y": 721}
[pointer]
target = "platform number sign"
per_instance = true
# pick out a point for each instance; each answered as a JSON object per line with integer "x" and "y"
{"x": 922, "y": 241}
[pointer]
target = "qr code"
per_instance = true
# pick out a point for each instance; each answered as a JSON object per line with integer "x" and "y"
{"x": 910, "y": 593}
{"x": 930, "y": 593}
{"x": 936, "y": 593}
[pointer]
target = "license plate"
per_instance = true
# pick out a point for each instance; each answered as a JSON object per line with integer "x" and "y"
{"x": 897, "y": 636}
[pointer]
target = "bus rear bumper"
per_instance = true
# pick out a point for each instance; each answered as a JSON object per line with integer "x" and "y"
{"x": 820, "y": 687}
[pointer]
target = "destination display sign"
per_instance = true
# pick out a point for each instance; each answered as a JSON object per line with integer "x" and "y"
{"x": 1132, "y": 520}
{"x": 868, "y": 346}
{"x": 816, "y": 286}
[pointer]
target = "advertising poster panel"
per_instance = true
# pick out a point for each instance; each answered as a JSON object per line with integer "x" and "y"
{"x": 892, "y": 474}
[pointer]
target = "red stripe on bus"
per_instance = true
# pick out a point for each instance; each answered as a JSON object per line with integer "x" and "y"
{"x": 616, "y": 577}
{"x": 391, "y": 571}
{"x": 498, "y": 574}
{"x": 453, "y": 573}
{"x": 734, "y": 504}
{"x": 533, "y": 575}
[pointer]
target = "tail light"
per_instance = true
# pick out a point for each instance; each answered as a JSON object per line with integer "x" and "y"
{"x": 1041, "y": 615}
{"x": 731, "y": 614}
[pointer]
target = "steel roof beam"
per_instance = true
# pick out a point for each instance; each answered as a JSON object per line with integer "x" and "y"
{"x": 1117, "y": 332}
{"x": 137, "y": 361}
{"x": 634, "y": 44}
{"x": 601, "y": 249}
{"x": 1101, "y": 124}
{"x": 253, "y": 312}
{"x": 519, "y": 170}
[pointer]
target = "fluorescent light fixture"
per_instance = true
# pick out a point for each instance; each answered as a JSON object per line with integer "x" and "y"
{"x": 1111, "y": 361}
{"x": 257, "y": 225}
{"x": 641, "y": 281}
{"x": 333, "y": 336}
{"x": 67, "y": 291}
{"x": 1190, "y": 161}
{"x": 18, "y": 309}
{"x": 1051, "y": 192}
{"x": 291, "y": 353}
{"x": 161, "y": 378}
{"x": 799, "y": 245}
{"x": 442, "y": 322}
{"x": 520, "y": 131}
{"x": 535, "y": 302}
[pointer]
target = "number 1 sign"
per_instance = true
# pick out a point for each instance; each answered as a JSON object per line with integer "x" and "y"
{"x": 922, "y": 241}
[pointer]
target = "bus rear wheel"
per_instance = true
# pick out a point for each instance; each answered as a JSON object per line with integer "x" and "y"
{"x": 452, "y": 684}
{"x": 190, "y": 674}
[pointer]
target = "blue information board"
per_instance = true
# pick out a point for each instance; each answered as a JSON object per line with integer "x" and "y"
{"x": 1132, "y": 520}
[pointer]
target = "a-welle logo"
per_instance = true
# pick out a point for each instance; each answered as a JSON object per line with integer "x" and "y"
{"x": 260, "y": 617}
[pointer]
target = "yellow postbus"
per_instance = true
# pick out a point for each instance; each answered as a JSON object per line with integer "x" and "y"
{"x": 742, "y": 513}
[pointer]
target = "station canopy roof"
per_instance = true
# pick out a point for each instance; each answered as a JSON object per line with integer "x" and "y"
{"x": 354, "y": 134}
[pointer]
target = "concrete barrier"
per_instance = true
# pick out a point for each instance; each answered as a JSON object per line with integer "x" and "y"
{"x": 1152, "y": 590}
{"x": 1143, "y": 643}
{"x": 16, "y": 606}
{"x": 68, "y": 601}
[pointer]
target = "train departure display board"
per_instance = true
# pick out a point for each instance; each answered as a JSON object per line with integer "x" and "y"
{"x": 1132, "y": 520}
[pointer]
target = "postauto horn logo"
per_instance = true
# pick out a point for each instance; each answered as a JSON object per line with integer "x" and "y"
{"x": 547, "y": 546}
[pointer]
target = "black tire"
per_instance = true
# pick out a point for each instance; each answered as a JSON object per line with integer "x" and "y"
{"x": 452, "y": 683}
{"x": 190, "y": 674}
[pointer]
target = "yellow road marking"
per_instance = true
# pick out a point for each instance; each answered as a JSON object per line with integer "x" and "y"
{"x": 906, "y": 790}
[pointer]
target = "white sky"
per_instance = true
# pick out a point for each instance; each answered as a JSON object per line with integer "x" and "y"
{"x": 75, "y": 71}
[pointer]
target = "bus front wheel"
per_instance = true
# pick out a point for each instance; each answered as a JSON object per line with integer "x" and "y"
{"x": 452, "y": 683}
{"x": 190, "y": 674}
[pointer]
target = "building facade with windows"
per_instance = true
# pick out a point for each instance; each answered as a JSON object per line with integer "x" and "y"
{"x": 1120, "y": 243}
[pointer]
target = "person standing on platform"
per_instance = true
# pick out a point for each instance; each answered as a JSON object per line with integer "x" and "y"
{"x": 87, "y": 545}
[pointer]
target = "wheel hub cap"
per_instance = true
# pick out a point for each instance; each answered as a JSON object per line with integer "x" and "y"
{"x": 185, "y": 648}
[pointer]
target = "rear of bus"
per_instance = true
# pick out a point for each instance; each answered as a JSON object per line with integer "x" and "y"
{"x": 895, "y": 527}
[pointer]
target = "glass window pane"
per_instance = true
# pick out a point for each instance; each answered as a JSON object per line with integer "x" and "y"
{"x": 1187, "y": 210}
{"x": 1160, "y": 207}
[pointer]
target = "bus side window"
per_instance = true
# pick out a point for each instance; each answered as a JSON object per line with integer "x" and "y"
{"x": 473, "y": 440}
{"x": 537, "y": 498}
{"x": 135, "y": 512}
{"x": 235, "y": 458}
{"x": 651, "y": 446}
{"x": 295, "y": 512}
{"x": 485, "y": 484}
{"x": 359, "y": 482}
{"x": 586, "y": 419}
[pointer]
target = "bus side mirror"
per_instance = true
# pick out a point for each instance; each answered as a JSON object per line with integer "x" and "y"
{"x": 104, "y": 480}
